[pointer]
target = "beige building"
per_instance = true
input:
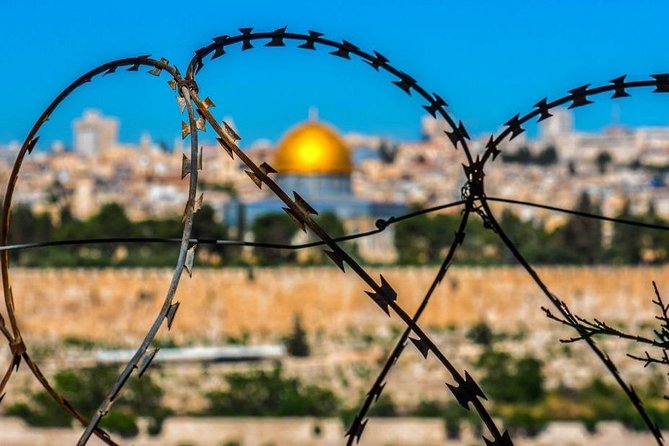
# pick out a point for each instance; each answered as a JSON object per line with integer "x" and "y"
{"x": 94, "y": 134}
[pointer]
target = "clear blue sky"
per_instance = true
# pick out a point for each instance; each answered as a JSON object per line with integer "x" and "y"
{"x": 488, "y": 60}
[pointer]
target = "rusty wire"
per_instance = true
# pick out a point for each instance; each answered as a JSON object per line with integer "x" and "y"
{"x": 17, "y": 344}
{"x": 474, "y": 201}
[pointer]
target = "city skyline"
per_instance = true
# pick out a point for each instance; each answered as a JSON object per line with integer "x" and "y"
{"x": 486, "y": 59}
{"x": 533, "y": 134}
{"x": 568, "y": 216}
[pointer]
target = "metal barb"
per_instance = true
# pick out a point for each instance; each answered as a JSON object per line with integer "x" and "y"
{"x": 435, "y": 104}
{"x": 542, "y": 108}
{"x": 467, "y": 391}
{"x": 504, "y": 441}
{"x": 579, "y": 96}
{"x": 32, "y": 144}
{"x": 296, "y": 219}
{"x": 310, "y": 40}
{"x": 661, "y": 83}
{"x": 190, "y": 259}
{"x": 619, "y": 85}
{"x": 231, "y": 132}
{"x": 182, "y": 106}
{"x": 146, "y": 360}
{"x": 256, "y": 180}
{"x": 378, "y": 61}
{"x": 406, "y": 83}
{"x": 336, "y": 259}
{"x": 514, "y": 126}
{"x": 421, "y": 345}
{"x": 185, "y": 166}
{"x": 171, "y": 313}
{"x": 223, "y": 143}
{"x": 457, "y": 135}
{"x": 277, "y": 37}
{"x": 344, "y": 50}
{"x": 356, "y": 429}
{"x": 246, "y": 42}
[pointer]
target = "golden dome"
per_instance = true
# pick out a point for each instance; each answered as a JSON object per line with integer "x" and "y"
{"x": 312, "y": 148}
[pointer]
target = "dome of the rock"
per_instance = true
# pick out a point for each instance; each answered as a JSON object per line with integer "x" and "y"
{"x": 312, "y": 148}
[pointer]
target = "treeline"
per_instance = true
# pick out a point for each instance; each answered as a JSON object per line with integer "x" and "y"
{"x": 515, "y": 386}
{"x": 580, "y": 241}
{"x": 420, "y": 240}
{"x": 112, "y": 221}
{"x": 545, "y": 157}
{"x": 514, "y": 383}
{"x": 84, "y": 389}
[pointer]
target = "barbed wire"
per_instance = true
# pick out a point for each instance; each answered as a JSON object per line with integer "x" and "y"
{"x": 465, "y": 389}
{"x": 18, "y": 346}
{"x": 381, "y": 225}
{"x": 474, "y": 187}
{"x": 473, "y": 199}
{"x": 577, "y": 97}
{"x": 588, "y": 328}
{"x": 142, "y": 358}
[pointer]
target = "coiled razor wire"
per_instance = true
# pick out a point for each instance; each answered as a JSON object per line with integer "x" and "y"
{"x": 474, "y": 201}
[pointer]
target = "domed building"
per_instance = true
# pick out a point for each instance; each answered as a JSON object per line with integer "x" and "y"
{"x": 313, "y": 160}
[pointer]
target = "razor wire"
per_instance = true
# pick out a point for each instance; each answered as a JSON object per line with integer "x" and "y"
{"x": 474, "y": 201}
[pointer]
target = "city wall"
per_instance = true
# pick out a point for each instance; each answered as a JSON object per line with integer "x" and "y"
{"x": 118, "y": 305}
{"x": 322, "y": 432}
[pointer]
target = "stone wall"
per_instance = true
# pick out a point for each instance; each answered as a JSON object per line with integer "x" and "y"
{"x": 120, "y": 304}
{"x": 320, "y": 432}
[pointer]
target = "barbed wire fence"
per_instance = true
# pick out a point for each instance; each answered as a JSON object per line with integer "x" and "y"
{"x": 474, "y": 202}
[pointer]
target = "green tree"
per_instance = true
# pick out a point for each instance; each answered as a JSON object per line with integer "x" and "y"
{"x": 603, "y": 160}
{"x": 547, "y": 156}
{"x": 206, "y": 226}
{"x": 521, "y": 156}
{"x": 331, "y": 223}
{"x": 110, "y": 221}
{"x": 452, "y": 412}
{"x": 384, "y": 406}
{"x": 481, "y": 245}
{"x": 269, "y": 393}
{"x": 654, "y": 240}
{"x": 530, "y": 237}
{"x": 528, "y": 371}
{"x": 580, "y": 239}
{"x": 523, "y": 420}
{"x": 84, "y": 389}
{"x": 626, "y": 241}
{"x": 296, "y": 343}
{"x": 480, "y": 333}
{"x": 388, "y": 151}
{"x": 423, "y": 239}
{"x": 509, "y": 380}
{"x": 27, "y": 227}
{"x": 273, "y": 228}
{"x": 334, "y": 226}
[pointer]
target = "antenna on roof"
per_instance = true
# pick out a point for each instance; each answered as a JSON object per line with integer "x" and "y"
{"x": 615, "y": 114}
{"x": 313, "y": 113}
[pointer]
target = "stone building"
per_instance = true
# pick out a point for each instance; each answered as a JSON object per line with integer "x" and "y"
{"x": 313, "y": 160}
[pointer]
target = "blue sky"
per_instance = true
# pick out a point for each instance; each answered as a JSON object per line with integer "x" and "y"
{"x": 488, "y": 60}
